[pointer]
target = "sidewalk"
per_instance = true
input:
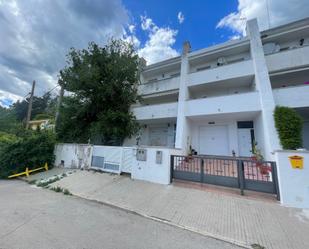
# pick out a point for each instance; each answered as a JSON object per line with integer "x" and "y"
{"x": 232, "y": 218}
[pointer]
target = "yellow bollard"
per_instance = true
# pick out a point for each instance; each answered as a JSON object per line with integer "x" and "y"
{"x": 46, "y": 166}
{"x": 27, "y": 172}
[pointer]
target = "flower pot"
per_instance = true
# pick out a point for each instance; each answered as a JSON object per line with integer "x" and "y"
{"x": 264, "y": 170}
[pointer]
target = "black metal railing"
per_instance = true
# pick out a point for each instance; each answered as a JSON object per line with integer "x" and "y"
{"x": 242, "y": 173}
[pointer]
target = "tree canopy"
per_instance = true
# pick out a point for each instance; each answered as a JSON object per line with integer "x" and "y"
{"x": 41, "y": 105}
{"x": 101, "y": 83}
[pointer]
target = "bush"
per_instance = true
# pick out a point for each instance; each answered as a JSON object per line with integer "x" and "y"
{"x": 31, "y": 149}
{"x": 289, "y": 126}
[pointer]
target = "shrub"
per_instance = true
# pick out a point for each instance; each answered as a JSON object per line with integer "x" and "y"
{"x": 31, "y": 149}
{"x": 66, "y": 192}
{"x": 57, "y": 189}
{"x": 289, "y": 126}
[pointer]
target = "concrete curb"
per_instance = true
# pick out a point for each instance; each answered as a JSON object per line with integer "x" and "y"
{"x": 167, "y": 222}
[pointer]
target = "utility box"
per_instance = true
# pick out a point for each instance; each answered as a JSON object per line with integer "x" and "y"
{"x": 141, "y": 155}
{"x": 159, "y": 155}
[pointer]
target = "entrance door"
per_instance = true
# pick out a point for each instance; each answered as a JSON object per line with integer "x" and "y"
{"x": 213, "y": 140}
{"x": 158, "y": 136}
{"x": 244, "y": 142}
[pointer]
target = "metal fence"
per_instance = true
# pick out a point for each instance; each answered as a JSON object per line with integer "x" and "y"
{"x": 242, "y": 173}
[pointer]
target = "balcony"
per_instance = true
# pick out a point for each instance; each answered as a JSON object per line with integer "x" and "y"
{"x": 222, "y": 73}
{"x": 160, "y": 86}
{"x": 159, "y": 111}
{"x": 297, "y": 96}
{"x": 285, "y": 60}
{"x": 244, "y": 102}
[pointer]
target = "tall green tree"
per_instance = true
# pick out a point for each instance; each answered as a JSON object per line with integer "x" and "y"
{"x": 102, "y": 85}
{"x": 8, "y": 122}
{"x": 41, "y": 105}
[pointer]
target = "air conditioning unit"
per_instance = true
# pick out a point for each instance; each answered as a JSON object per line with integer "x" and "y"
{"x": 270, "y": 48}
{"x": 221, "y": 61}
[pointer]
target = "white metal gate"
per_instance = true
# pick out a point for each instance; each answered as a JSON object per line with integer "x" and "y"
{"x": 128, "y": 157}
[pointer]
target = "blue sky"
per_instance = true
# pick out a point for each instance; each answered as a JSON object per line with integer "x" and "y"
{"x": 36, "y": 35}
{"x": 199, "y": 26}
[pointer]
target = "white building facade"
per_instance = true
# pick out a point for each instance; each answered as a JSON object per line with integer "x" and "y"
{"x": 220, "y": 100}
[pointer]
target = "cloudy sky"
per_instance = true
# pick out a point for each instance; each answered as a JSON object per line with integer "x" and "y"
{"x": 37, "y": 34}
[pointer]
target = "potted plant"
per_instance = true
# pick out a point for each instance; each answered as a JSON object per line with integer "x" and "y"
{"x": 258, "y": 158}
{"x": 190, "y": 153}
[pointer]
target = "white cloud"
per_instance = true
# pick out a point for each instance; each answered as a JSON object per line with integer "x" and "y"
{"x": 131, "y": 28}
{"x": 36, "y": 36}
{"x": 147, "y": 23}
{"x": 235, "y": 37}
{"x": 270, "y": 13}
{"x": 160, "y": 41}
{"x": 180, "y": 17}
{"x": 6, "y": 98}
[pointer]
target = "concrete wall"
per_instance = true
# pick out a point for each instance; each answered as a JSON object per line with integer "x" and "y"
{"x": 244, "y": 102}
{"x": 293, "y": 183}
{"x": 73, "y": 155}
{"x": 149, "y": 170}
{"x": 168, "y": 110}
{"x": 145, "y": 139}
{"x": 288, "y": 59}
{"x": 159, "y": 86}
{"x": 306, "y": 134}
{"x": 259, "y": 133}
{"x": 297, "y": 96}
{"x": 80, "y": 155}
{"x": 240, "y": 69}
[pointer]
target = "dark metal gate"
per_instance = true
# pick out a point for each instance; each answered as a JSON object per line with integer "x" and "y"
{"x": 227, "y": 171}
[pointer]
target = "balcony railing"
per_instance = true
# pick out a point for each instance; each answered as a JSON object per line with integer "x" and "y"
{"x": 158, "y": 86}
{"x": 168, "y": 110}
{"x": 288, "y": 59}
{"x": 243, "y": 102}
{"x": 294, "y": 96}
{"x": 225, "y": 72}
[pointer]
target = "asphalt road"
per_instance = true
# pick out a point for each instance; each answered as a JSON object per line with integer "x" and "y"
{"x": 32, "y": 217}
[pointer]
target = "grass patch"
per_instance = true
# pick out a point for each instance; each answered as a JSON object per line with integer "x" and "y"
{"x": 32, "y": 182}
{"x": 56, "y": 189}
{"x": 47, "y": 182}
{"x": 66, "y": 192}
{"x": 257, "y": 246}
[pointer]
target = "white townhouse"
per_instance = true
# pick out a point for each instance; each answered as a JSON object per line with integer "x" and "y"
{"x": 219, "y": 100}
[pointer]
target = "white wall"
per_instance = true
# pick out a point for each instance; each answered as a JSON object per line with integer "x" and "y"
{"x": 145, "y": 135}
{"x": 149, "y": 170}
{"x": 259, "y": 133}
{"x": 73, "y": 155}
{"x": 306, "y": 134}
{"x": 296, "y": 96}
{"x": 111, "y": 154}
{"x": 159, "y": 86}
{"x": 288, "y": 59}
{"x": 148, "y": 112}
{"x": 243, "y": 102}
{"x": 213, "y": 63}
{"x": 293, "y": 183}
{"x": 263, "y": 85}
{"x": 240, "y": 69}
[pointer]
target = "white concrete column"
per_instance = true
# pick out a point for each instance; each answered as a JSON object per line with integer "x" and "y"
{"x": 263, "y": 85}
{"x": 182, "y": 126}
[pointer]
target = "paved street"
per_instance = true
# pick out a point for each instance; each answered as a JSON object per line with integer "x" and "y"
{"x": 32, "y": 217}
{"x": 229, "y": 217}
